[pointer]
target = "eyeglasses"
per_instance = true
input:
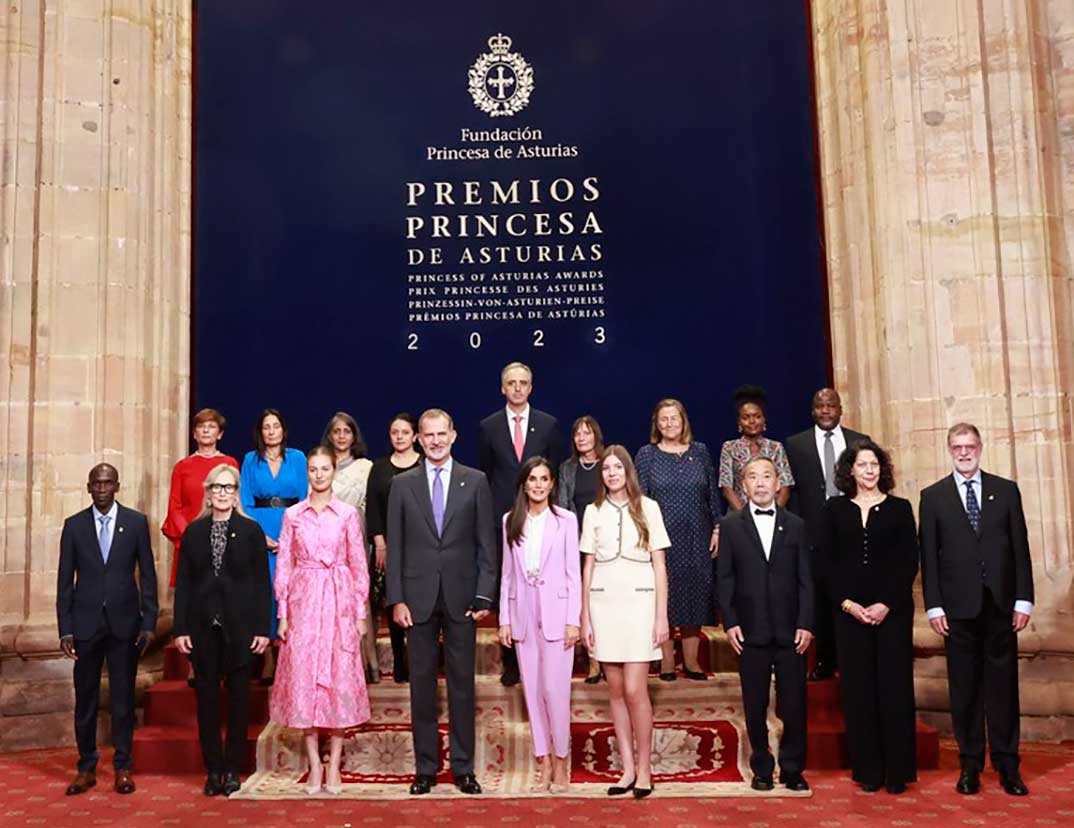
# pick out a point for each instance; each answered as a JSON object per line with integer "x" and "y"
{"x": 226, "y": 488}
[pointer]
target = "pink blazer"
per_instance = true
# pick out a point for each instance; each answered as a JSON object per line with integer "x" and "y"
{"x": 559, "y": 584}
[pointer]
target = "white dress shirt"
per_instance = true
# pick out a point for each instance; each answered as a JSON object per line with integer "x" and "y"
{"x": 534, "y": 535}
{"x": 525, "y": 415}
{"x": 1024, "y": 607}
{"x": 766, "y": 525}
{"x": 839, "y": 442}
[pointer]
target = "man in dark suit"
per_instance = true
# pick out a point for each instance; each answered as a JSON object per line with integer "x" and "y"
{"x": 977, "y": 577}
{"x": 105, "y": 615}
{"x": 813, "y": 454}
{"x": 507, "y": 439}
{"x": 766, "y": 593}
{"x": 442, "y": 575}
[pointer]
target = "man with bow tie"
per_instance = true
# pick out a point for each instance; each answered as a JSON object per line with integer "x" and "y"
{"x": 766, "y": 593}
{"x": 977, "y": 577}
{"x": 105, "y": 615}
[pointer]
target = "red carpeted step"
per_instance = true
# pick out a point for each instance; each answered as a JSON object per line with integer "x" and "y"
{"x": 174, "y": 749}
{"x": 176, "y": 665}
{"x": 174, "y": 703}
{"x": 826, "y": 749}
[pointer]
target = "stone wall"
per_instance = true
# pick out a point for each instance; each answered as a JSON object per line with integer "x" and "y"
{"x": 947, "y": 168}
{"x": 95, "y": 299}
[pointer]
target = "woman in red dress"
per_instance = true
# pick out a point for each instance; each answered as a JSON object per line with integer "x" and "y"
{"x": 187, "y": 495}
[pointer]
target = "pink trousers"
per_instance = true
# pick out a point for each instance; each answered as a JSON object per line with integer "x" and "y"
{"x": 546, "y": 680}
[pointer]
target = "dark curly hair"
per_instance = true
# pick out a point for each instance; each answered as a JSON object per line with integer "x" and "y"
{"x": 844, "y": 480}
{"x": 751, "y": 394}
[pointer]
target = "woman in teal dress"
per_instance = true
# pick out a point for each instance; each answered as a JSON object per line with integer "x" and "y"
{"x": 273, "y": 478}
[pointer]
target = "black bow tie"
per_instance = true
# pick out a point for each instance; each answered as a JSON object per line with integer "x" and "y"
{"x": 769, "y": 512}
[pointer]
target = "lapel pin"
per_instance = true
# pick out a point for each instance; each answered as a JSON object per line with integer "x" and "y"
{"x": 120, "y": 528}
{"x": 232, "y": 534}
{"x": 991, "y": 497}
{"x": 462, "y": 483}
{"x": 780, "y": 528}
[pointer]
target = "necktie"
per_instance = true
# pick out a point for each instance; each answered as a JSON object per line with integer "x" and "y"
{"x": 829, "y": 467}
{"x": 769, "y": 512}
{"x": 104, "y": 537}
{"x": 520, "y": 439}
{"x": 438, "y": 502}
{"x": 973, "y": 508}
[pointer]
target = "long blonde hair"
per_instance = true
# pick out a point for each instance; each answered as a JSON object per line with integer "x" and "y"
{"x": 633, "y": 490}
{"x": 210, "y": 479}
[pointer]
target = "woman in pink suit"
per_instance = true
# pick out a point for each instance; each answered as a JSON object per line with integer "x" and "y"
{"x": 322, "y": 587}
{"x": 541, "y": 599}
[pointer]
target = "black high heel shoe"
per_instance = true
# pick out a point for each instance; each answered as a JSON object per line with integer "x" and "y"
{"x": 641, "y": 793}
{"x": 619, "y": 790}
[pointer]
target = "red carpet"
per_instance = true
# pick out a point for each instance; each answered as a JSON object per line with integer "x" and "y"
{"x": 32, "y": 784}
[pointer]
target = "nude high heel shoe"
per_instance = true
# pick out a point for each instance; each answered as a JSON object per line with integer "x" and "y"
{"x": 313, "y": 788}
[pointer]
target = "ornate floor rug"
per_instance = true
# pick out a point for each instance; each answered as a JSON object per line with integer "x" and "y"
{"x": 700, "y": 749}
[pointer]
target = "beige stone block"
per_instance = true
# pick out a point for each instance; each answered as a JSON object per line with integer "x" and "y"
{"x": 63, "y": 428}
{"x": 42, "y": 591}
{"x": 27, "y": 698}
{"x": 80, "y": 212}
{"x": 80, "y": 167}
{"x": 84, "y": 82}
{"x": 46, "y": 730}
{"x": 83, "y": 38}
{"x": 71, "y": 323}
{"x": 67, "y": 381}
{"x": 78, "y": 260}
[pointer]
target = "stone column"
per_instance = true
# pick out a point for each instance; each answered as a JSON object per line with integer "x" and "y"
{"x": 947, "y": 170}
{"x": 95, "y": 300}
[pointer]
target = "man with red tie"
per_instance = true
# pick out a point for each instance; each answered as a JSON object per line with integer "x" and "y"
{"x": 507, "y": 439}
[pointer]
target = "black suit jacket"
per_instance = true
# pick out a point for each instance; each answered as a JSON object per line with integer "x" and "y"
{"x": 85, "y": 585}
{"x": 462, "y": 562}
{"x": 955, "y": 560}
{"x": 808, "y": 495}
{"x": 496, "y": 450}
{"x": 242, "y": 593}
{"x": 769, "y": 599}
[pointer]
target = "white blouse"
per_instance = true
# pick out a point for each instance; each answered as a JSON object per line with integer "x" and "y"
{"x": 609, "y": 532}
{"x": 534, "y": 536}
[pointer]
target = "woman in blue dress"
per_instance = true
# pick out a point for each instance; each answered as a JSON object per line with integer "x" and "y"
{"x": 273, "y": 478}
{"x": 677, "y": 472}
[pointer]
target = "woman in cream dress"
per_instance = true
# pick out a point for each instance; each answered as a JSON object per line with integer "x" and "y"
{"x": 624, "y": 607}
{"x": 344, "y": 438}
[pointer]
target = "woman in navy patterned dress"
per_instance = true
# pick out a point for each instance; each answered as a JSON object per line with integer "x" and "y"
{"x": 677, "y": 472}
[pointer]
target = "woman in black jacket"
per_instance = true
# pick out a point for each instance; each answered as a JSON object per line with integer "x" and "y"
{"x": 869, "y": 542}
{"x": 223, "y": 610}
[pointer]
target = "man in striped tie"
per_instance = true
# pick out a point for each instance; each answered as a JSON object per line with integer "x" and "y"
{"x": 105, "y": 615}
{"x": 977, "y": 577}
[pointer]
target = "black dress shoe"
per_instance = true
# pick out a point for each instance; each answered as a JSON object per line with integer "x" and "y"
{"x": 795, "y": 783}
{"x": 400, "y": 675}
{"x": 822, "y": 672}
{"x": 468, "y": 784}
{"x": 762, "y": 783}
{"x": 422, "y": 784}
{"x": 641, "y": 793}
{"x": 231, "y": 784}
{"x": 509, "y": 677}
{"x": 694, "y": 675}
{"x": 619, "y": 790}
{"x": 1012, "y": 784}
{"x": 213, "y": 785}
{"x": 969, "y": 782}
{"x": 895, "y": 788}
{"x": 668, "y": 677}
{"x": 870, "y": 787}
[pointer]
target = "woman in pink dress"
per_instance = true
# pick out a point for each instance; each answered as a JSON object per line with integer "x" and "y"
{"x": 322, "y": 588}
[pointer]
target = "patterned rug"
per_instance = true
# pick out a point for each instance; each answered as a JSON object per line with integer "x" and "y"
{"x": 700, "y": 749}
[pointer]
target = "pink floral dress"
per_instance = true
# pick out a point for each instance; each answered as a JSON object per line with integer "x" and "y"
{"x": 322, "y": 583}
